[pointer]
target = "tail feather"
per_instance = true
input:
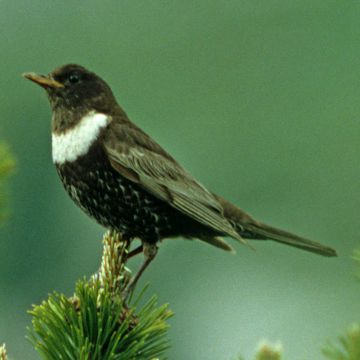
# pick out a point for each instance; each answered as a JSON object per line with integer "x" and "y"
{"x": 288, "y": 238}
{"x": 249, "y": 228}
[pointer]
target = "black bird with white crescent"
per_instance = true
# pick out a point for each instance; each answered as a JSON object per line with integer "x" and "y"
{"x": 122, "y": 178}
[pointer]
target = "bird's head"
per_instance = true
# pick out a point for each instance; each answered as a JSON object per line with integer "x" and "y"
{"x": 72, "y": 87}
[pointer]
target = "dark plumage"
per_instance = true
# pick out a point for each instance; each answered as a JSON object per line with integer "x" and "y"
{"x": 121, "y": 177}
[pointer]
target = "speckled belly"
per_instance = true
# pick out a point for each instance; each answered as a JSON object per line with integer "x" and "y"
{"x": 116, "y": 202}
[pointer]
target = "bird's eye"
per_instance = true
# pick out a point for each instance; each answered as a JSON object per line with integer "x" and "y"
{"x": 74, "y": 78}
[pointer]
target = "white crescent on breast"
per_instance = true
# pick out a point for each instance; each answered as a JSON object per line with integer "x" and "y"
{"x": 75, "y": 142}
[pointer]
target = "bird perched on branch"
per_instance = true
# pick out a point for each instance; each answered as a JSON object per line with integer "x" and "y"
{"x": 122, "y": 178}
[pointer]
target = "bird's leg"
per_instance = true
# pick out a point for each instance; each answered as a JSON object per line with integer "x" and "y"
{"x": 134, "y": 252}
{"x": 150, "y": 251}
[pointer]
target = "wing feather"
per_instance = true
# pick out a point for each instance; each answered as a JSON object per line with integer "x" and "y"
{"x": 167, "y": 180}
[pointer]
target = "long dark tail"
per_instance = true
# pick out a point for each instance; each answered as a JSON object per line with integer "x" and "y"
{"x": 250, "y": 228}
{"x": 284, "y": 237}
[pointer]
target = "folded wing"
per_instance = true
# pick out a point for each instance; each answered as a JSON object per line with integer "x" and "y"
{"x": 163, "y": 177}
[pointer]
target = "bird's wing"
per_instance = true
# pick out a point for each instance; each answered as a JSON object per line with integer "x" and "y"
{"x": 154, "y": 170}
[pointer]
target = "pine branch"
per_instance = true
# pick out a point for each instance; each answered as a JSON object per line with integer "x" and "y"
{"x": 95, "y": 323}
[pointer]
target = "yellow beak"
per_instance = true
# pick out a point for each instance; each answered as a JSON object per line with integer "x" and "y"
{"x": 42, "y": 80}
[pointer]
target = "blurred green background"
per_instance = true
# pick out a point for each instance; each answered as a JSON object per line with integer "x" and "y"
{"x": 258, "y": 99}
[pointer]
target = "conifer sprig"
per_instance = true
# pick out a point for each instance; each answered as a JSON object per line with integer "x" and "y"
{"x": 96, "y": 323}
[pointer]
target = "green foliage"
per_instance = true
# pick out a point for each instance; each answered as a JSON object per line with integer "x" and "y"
{"x": 3, "y": 355}
{"x": 96, "y": 323}
{"x": 7, "y": 164}
{"x": 6, "y": 161}
{"x": 356, "y": 257}
{"x": 348, "y": 347}
{"x": 268, "y": 352}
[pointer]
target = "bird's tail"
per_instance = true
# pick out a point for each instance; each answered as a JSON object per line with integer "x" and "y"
{"x": 268, "y": 232}
{"x": 249, "y": 228}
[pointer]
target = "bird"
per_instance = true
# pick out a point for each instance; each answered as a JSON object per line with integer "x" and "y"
{"x": 118, "y": 175}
